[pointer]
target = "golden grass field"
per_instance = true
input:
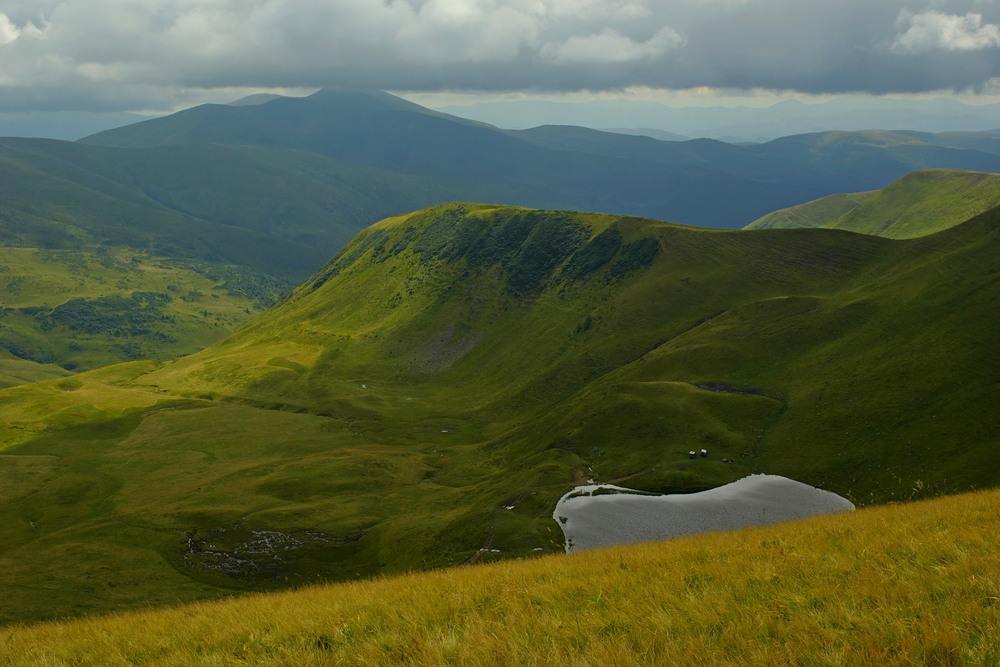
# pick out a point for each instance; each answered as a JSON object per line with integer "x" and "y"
{"x": 912, "y": 584}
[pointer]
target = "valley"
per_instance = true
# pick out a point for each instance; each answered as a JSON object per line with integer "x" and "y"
{"x": 380, "y": 417}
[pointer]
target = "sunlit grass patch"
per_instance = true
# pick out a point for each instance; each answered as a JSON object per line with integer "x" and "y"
{"x": 905, "y": 584}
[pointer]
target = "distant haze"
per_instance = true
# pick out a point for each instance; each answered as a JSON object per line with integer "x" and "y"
{"x": 741, "y": 124}
{"x": 67, "y": 125}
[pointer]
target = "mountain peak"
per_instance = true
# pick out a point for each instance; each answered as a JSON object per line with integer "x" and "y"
{"x": 360, "y": 96}
{"x": 254, "y": 100}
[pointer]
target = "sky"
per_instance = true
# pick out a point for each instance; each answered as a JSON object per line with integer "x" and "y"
{"x": 160, "y": 55}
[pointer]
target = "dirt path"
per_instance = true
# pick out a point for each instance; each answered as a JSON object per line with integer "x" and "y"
{"x": 487, "y": 545}
{"x": 626, "y": 478}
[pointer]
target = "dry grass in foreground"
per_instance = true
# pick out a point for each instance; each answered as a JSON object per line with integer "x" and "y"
{"x": 905, "y": 584}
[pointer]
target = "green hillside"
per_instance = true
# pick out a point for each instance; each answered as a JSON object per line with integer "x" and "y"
{"x": 15, "y": 371}
{"x": 921, "y": 203}
{"x": 82, "y": 309}
{"x": 505, "y": 311}
{"x": 94, "y": 272}
{"x": 276, "y": 211}
{"x": 460, "y": 359}
{"x": 983, "y": 141}
{"x": 816, "y": 213}
{"x": 910, "y": 584}
{"x": 201, "y": 236}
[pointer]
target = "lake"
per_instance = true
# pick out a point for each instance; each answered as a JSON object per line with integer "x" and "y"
{"x": 602, "y": 515}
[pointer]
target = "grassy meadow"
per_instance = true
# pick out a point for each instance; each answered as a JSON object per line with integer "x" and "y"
{"x": 15, "y": 371}
{"x": 895, "y": 585}
{"x": 87, "y": 308}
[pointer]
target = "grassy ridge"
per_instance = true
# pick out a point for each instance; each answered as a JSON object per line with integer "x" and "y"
{"x": 921, "y": 203}
{"x": 468, "y": 357}
{"x": 816, "y": 323}
{"x": 816, "y": 213}
{"x": 898, "y": 585}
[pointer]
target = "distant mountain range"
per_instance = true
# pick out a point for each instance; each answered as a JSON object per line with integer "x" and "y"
{"x": 739, "y": 124}
{"x": 742, "y": 124}
{"x": 63, "y": 125}
{"x": 707, "y": 183}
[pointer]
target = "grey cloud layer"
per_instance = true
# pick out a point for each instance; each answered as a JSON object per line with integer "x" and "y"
{"x": 133, "y": 53}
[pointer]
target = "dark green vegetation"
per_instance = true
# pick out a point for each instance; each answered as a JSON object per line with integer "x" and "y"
{"x": 702, "y": 182}
{"x": 83, "y": 308}
{"x": 466, "y": 358}
{"x": 276, "y": 211}
{"x": 918, "y": 204}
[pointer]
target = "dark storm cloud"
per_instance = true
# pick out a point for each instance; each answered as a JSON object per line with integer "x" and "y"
{"x": 128, "y": 53}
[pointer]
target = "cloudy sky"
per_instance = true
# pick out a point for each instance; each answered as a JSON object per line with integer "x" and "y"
{"x": 162, "y": 54}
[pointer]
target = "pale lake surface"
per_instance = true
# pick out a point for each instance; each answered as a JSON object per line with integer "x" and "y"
{"x": 617, "y": 515}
